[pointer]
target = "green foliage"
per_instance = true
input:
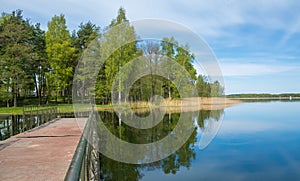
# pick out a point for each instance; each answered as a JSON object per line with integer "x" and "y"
{"x": 42, "y": 64}
{"x": 216, "y": 89}
{"x": 207, "y": 89}
{"x": 159, "y": 55}
{"x": 60, "y": 55}
{"x": 202, "y": 86}
{"x": 120, "y": 33}
{"x": 86, "y": 34}
{"x": 81, "y": 40}
{"x": 17, "y": 55}
{"x": 181, "y": 54}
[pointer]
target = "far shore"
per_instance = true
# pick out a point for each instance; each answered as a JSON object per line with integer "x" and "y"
{"x": 266, "y": 98}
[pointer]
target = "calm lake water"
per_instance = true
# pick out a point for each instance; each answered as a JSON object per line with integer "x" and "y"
{"x": 257, "y": 141}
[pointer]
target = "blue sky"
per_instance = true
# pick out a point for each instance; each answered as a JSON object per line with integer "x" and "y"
{"x": 257, "y": 43}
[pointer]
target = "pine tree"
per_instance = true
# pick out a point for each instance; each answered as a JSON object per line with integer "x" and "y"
{"x": 17, "y": 55}
{"x": 85, "y": 35}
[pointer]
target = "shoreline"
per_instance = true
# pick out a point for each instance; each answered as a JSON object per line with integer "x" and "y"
{"x": 195, "y": 103}
{"x": 187, "y": 104}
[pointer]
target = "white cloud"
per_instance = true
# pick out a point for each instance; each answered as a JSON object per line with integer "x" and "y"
{"x": 211, "y": 18}
{"x": 295, "y": 28}
{"x": 208, "y": 18}
{"x": 239, "y": 67}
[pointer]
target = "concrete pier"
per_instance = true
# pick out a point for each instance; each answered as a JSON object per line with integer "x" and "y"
{"x": 43, "y": 153}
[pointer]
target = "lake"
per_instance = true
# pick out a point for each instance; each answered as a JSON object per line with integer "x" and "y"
{"x": 257, "y": 141}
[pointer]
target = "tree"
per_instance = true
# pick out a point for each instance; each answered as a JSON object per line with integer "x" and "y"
{"x": 81, "y": 40}
{"x": 165, "y": 62}
{"x": 40, "y": 64}
{"x": 206, "y": 89}
{"x": 86, "y": 34}
{"x": 181, "y": 55}
{"x": 151, "y": 51}
{"x": 60, "y": 54}
{"x": 202, "y": 86}
{"x": 16, "y": 37}
{"x": 216, "y": 89}
{"x": 185, "y": 58}
{"x": 5, "y": 93}
{"x": 120, "y": 32}
{"x": 168, "y": 49}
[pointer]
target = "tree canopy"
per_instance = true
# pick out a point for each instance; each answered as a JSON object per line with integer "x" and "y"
{"x": 17, "y": 55}
{"x": 41, "y": 64}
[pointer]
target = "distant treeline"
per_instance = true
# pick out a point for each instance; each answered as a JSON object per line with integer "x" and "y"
{"x": 283, "y": 95}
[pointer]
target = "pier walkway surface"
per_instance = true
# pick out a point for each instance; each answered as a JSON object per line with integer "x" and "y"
{"x": 43, "y": 153}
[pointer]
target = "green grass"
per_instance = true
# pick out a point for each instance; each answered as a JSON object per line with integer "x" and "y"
{"x": 62, "y": 108}
{"x": 10, "y": 110}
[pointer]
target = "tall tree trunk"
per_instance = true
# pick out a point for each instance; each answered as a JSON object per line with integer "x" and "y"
{"x": 82, "y": 92}
{"x": 56, "y": 96}
{"x": 169, "y": 88}
{"x": 63, "y": 95}
{"x": 41, "y": 83}
{"x": 15, "y": 92}
{"x": 40, "y": 94}
{"x": 38, "y": 89}
{"x": 15, "y": 99}
{"x": 46, "y": 101}
{"x": 68, "y": 93}
{"x": 119, "y": 89}
{"x": 119, "y": 93}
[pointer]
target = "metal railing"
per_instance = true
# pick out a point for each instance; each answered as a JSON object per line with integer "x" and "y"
{"x": 31, "y": 117}
{"x": 85, "y": 164}
{"x": 45, "y": 113}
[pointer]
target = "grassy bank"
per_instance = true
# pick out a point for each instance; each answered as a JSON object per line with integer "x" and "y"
{"x": 62, "y": 108}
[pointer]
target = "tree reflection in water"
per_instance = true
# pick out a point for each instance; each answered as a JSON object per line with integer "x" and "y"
{"x": 183, "y": 157}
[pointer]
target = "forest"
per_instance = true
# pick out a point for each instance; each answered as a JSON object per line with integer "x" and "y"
{"x": 37, "y": 66}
